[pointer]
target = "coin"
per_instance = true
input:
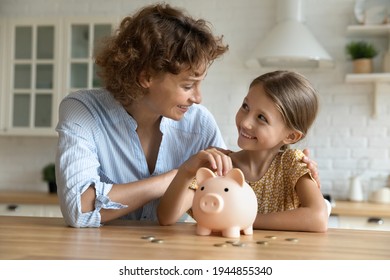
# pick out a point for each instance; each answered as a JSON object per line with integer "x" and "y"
{"x": 157, "y": 241}
{"x": 148, "y": 237}
{"x": 220, "y": 245}
{"x": 271, "y": 237}
{"x": 238, "y": 244}
{"x": 292, "y": 239}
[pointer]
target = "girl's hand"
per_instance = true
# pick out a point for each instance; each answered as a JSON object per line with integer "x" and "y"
{"x": 312, "y": 165}
{"x": 215, "y": 159}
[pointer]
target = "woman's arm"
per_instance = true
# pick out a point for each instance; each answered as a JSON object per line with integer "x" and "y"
{"x": 178, "y": 197}
{"x": 313, "y": 166}
{"x": 312, "y": 215}
{"x": 133, "y": 195}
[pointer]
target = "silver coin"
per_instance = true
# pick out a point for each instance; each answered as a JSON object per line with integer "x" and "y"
{"x": 157, "y": 241}
{"x": 271, "y": 237}
{"x": 220, "y": 245}
{"x": 238, "y": 244}
{"x": 292, "y": 239}
{"x": 148, "y": 237}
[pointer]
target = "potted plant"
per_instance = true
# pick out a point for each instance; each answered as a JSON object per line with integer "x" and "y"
{"x": 49, "y": 175}
{"x": 361, "y": 54}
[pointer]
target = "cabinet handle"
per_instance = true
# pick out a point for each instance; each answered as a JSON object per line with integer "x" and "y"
{"x": 374, "y": 220}
{"x": 12, "y": 207}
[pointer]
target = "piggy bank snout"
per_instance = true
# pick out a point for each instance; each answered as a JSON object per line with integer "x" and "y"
{"x": 211, "y": 203}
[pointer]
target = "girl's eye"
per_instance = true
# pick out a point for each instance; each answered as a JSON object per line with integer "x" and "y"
{"x": 262, "y": 118}
{"x": 245, "y": 106}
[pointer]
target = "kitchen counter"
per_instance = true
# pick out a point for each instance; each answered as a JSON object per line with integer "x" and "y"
{"x": 341, "y": 207}
{"x": 367, "y": 209}
{"x": 49, "y": 238}
{"x": 20, "y": 197}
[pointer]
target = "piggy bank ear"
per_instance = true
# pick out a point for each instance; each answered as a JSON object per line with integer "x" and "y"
{"x": 203, "y": 174}
{"x": 237, "y": 175}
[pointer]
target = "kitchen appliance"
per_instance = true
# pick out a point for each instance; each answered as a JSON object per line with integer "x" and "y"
{"x": 290, "y": 42}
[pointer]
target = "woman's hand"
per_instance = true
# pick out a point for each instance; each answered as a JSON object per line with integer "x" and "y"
{"x": 312, "y": 165}
{"x": 216, "y": 159}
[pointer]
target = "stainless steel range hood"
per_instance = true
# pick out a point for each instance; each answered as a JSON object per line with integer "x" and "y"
{"x": 290, "y": 43}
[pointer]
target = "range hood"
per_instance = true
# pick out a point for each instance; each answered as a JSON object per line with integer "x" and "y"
{"x": 290, "y": 43}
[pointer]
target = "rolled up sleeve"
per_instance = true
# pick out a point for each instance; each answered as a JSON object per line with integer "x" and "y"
{"x": 77, "y": 166}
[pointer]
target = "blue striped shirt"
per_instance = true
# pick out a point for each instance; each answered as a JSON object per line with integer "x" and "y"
{"x": 98, "y": 145}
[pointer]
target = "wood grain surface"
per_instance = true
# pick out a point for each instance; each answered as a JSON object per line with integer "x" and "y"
{"x": 49, "y": 238}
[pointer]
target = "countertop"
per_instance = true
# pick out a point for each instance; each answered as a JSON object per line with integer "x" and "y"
{"x": 19, "y": 197}
{"x": 365, "y": 209}
{"x": 49, "y": 238}
{"x": 349, "y": 208}
{"x": 341, "y": 207}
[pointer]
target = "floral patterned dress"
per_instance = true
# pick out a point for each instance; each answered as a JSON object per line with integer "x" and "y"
{"x": 275, "y": 191}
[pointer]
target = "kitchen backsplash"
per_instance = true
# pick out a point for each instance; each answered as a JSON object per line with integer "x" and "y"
{"x": 345, "y": 140}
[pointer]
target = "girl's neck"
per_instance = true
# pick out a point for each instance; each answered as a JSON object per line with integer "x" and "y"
{"x": 254, "y": 164}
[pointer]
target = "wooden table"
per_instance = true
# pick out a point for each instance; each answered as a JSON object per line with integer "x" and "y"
{"x": 49, "y": 238}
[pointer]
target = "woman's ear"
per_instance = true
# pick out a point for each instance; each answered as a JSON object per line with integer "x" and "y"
{"x": 293, "y": 137}
{"x": 144, "y": 79}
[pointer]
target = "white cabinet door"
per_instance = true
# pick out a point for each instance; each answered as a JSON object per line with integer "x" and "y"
{"x": 355, "y": 222}
{"x": 83, "y": 36}
{"x": 35, "y": 210}
{"x": 42, "y": 60}
{"x": 32, "y": 77}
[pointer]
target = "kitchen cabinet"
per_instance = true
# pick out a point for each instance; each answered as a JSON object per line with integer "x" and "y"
{"x": 362, "y": 223}
{"x": 381, "y": 81}
{"x": 32, "y": 83}
{"x": 2, "y": 56}
{"x": 29, "y": 204}
{"x": 360, "y": 215}
{"x": 84, "y": 35}
{"x": 45, "y": 59}
{"x": 30, "y": 210}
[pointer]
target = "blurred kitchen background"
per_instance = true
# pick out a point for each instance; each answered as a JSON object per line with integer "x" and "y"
{"x": 350, "y": 137}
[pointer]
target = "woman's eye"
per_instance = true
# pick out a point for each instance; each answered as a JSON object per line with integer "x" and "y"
{"x": 187, "y": 87}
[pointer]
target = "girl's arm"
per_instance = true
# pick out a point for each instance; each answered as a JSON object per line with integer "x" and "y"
{"x": 312, "y": 215}
{"x": 178, "y": 197}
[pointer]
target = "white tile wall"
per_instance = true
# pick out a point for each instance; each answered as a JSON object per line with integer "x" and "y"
{"x": 344, "y": 140}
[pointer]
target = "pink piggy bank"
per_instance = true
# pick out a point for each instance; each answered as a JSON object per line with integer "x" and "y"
{"x": 224, "y": 203}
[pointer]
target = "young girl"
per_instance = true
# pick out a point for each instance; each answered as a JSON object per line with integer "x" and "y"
{"x": 278, "y": 110}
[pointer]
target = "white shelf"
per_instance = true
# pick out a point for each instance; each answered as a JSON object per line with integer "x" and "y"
{"x": 381, "y": 83}
{"x": 371, "y": 30}
{"x": 368, "y": 78}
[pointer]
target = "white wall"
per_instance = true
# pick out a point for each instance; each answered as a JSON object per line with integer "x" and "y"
{"x": 344, "y": 140}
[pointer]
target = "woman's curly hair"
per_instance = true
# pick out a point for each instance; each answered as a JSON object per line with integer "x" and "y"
{"x": 157, "y": 39}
